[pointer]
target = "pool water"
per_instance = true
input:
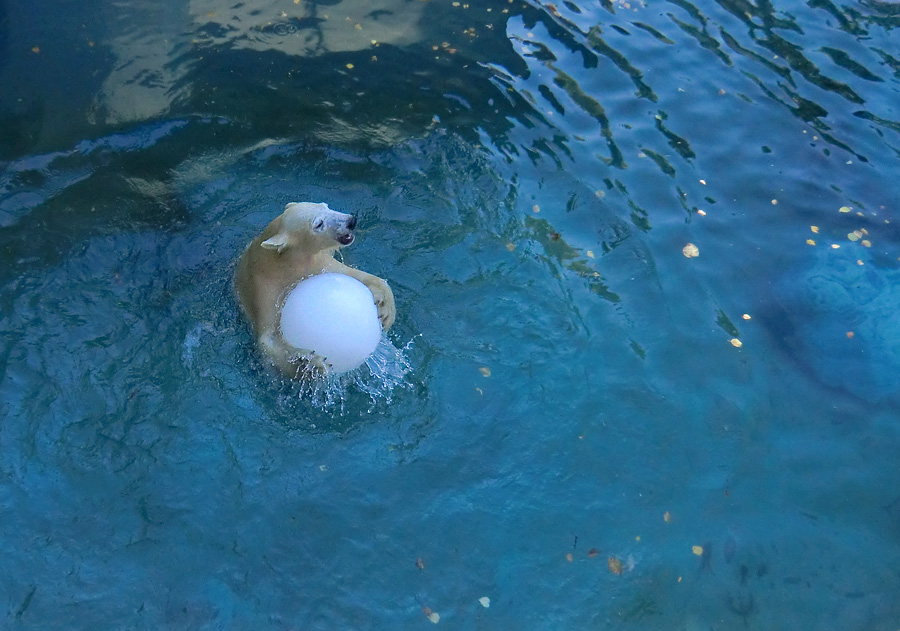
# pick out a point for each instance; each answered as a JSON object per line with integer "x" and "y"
{"x": 572, "y": 424}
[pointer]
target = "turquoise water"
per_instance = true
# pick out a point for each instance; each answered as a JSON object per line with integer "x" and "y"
{"x": 561, "y": 422}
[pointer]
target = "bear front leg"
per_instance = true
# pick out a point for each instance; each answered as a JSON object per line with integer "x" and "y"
{"x": 384, "y": 301}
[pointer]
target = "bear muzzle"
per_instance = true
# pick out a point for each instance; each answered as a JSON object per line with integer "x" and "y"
{"x": 345, "y": 236}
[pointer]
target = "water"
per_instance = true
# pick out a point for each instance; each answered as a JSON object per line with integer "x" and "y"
{"x": 560, "y": 421}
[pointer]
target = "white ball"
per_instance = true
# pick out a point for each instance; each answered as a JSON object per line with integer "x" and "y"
{"x": 335, "y": 316}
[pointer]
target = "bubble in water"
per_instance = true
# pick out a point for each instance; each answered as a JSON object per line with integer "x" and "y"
{"x": 192, "y": 341}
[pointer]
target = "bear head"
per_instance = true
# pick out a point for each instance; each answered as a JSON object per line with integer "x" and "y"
{"x": 312, "y": 227}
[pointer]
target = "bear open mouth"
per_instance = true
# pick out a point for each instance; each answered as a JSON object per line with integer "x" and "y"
{"x": 345, "y": 239}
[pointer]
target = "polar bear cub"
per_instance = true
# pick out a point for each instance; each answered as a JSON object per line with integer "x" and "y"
{"x": 299, "y": 243}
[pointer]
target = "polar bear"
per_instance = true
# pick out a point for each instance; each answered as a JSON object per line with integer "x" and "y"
{"x": 299, "y": 243}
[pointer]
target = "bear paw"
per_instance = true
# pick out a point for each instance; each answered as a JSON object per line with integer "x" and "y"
{"x": 293, "y": 362}
{"x": 384, "y": 301}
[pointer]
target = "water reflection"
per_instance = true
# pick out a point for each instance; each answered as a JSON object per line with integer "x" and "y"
{"x": 564, "y": 68}
{"x": 625, "y": 41}
{"x": 154, "y": 62}
{"x": 306, "y": 27}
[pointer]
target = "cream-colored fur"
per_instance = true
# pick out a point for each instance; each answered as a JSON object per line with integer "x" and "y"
{"x": 299, "y": 243}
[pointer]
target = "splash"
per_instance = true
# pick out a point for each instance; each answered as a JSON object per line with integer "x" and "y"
{"x": 383, "y": 372}
{"x": 386, "y": 369}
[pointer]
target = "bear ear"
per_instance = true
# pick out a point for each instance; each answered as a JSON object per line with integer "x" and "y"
{"x": 278, "y": 242}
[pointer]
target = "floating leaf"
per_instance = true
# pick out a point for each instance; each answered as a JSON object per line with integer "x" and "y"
{"x": 736, "y": 342}
{"x": 615, "y": 566}
{"x": 485, "y": 371}
{"x": 536, "y": 208}
{"x": 485, "y": 601}
{"x": 698, "y": 550}
{"x": 433, "y": 616}
{"x": 420, "y": 563}
{"x": 814, "y": 229}
{"x": 845, "y": 209}
{"x": 810, "y": 242}
{"x": 667, "y": 517}
{"x": 746, "y": 316}
{"x": 690, "y": 250}
{"x": 569, "y": 557}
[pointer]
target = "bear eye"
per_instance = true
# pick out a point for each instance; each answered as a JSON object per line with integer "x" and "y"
{"x": 319, "y": 224}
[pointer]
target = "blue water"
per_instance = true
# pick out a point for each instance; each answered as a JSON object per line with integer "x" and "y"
{"x": 561, "y": 422}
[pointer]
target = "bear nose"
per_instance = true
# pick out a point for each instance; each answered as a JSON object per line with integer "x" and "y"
{"x": 351, "y": 223}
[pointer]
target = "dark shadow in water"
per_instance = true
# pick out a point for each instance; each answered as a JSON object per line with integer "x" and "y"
{"x": 134, "y": 198}
{"x": 20, "y": 128}
{"x": 374, "y": 105}
{"x": 4, "y": 32}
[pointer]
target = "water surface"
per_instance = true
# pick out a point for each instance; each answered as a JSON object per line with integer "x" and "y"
{"x": 595, "y": 431}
